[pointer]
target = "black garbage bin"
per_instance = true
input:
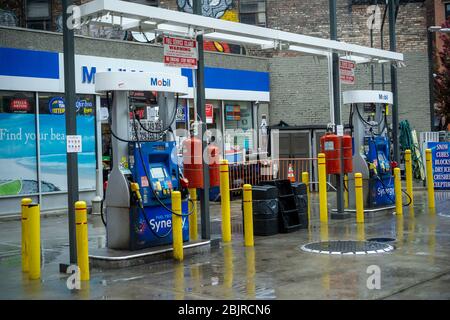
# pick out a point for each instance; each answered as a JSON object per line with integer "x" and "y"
{"x": 288, "y": 218}
{"x": 265, "y": 210}
{"x": 301, "y": 199}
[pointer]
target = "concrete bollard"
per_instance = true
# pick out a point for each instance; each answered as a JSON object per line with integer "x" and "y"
{"x": 25, "y": 235}
{"x": 193, "y": 229}
{"x": 305, "y": 180}
{"x": 409, "y": 176}
{"x": 430, "y": 179}
{"x": 248, "y": 216}
{"x": 323, "y": 188}
{"x": 34, "y": 225}
{"x": 177, "y": 226}
{"x": 225, "y": 201}
{"x": 82, "y": 239}
{"x": 398, "y": 192}
{"x": 359, "y": 198}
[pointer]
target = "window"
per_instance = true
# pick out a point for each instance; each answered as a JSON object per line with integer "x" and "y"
{"x": 253, "y": 12}
{"x": 38, "y": 14}
{"x": 18, "y": 171}
{"x": 447, "y": 11}
{"x": 52, "y": 126}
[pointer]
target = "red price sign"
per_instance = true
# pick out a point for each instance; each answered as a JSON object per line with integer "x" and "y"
{"x": 209, "y": 111}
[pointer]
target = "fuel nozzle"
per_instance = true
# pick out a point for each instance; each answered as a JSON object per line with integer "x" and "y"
{"x": 135, "y": 189}
{"x": 373, "y": 167}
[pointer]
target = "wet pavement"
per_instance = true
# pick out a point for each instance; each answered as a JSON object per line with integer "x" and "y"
{"x": 276, "y": 268}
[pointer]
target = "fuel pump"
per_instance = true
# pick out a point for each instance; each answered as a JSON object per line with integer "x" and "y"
{"x": 371, "y": 144}
{"x": 145, "y": 172}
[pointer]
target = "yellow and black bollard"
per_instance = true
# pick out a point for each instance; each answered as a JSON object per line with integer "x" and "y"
{"x": 225, "y": 201}
{"x": 248, "y": 216}
{"x": 305, "y": 180}
{"x": 359, "y": 198}
{"x": 34, "y": 225}
{"x": 323, "y": 188}
{"x": 430, "y": 179}
{"x": 398, "y": 192}
{"x": 193, "y": 232}
{"x": 177, "y": 226}
{"x": 409, "y": 177}
{"x": 82, "y": 239}
{"x": 25, "y": 235}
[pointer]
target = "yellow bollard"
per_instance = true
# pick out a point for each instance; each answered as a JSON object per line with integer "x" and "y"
{"x": 193, "y": 232}
{"x": 359, "y": 198}
{"x": 409, "y": 176}
{"x": 305, "y": 180}
{"x": 82, "y": 239}
{"x": 225, "y": 201}
{"x": 177, "y": 226}
{"x": 34, "y": 225}
{"x": 323, "y": 188}
{"x": 430, "y": 179}
{"x": 345, "y": 191}
{"x": 248, "y": 216}
{"x": 398, "y": 192}
{"x": 25, "y": 235}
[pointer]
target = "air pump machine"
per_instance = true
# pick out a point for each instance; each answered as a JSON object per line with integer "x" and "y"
{"x": 371, "y": 148}
{"x": 144, "y": 173}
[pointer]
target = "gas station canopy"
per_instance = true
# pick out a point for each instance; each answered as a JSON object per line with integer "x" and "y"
{"x": 142, "y": 18}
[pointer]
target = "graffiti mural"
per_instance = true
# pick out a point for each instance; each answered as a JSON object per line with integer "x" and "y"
{"x": 219, "y": 9}
{"x": 8, "y": 18}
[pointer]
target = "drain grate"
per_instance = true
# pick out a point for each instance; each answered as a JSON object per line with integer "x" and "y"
{"x": 347, "y": 247}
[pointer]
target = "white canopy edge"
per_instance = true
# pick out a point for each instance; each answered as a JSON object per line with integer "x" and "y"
{"x": 138, "y": 17}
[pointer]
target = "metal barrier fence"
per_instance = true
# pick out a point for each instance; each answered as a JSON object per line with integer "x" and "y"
{"x": 255, "y": 171}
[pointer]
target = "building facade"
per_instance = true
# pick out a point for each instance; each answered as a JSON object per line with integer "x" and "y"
{"x": 282, "y": 87}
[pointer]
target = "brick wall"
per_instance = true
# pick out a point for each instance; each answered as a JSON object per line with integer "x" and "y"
{"x": 300, "y": 96}
{"x": 312, "y": 19}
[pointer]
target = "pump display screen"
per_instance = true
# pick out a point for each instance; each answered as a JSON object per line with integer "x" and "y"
{"x": 157, "y": 172}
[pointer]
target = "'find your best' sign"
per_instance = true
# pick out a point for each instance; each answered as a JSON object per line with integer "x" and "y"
{"x": 441, "y": 164}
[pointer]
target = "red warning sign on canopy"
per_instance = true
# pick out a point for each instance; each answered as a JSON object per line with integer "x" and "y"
{"x": 181, "y": 53}
{"x": 347, "y": 71}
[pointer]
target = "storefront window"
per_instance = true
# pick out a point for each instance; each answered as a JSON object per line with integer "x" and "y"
{"x": 53, "y": 142}
{"x": 18, "y": 174}
{"x": 238, "y": 133}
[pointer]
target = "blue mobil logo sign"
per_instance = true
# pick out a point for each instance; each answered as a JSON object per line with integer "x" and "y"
{"x": 56, "y": 105}
{"x": 383, "y": 97}
{"x": 440, "y": 152}
{"x": 160, "y": 82}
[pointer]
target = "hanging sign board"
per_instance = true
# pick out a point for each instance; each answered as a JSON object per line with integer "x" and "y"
{"x": 440, "y": 152}
{"x": 347, "y": 71}
{"x": 209, "y": 111}
{"x": 180, "y": 53}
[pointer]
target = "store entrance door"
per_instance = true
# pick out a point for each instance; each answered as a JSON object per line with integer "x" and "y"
{"x": 295, "y": 145}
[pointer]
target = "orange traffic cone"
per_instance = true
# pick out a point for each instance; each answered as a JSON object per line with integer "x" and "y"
{"x": 291, "y": 176}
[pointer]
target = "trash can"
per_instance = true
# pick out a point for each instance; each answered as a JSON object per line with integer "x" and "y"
{"x": 301, "y": 199}
{"x": 265, "y": 210}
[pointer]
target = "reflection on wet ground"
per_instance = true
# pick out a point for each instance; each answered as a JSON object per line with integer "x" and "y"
{"x": 275, "y": 268}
